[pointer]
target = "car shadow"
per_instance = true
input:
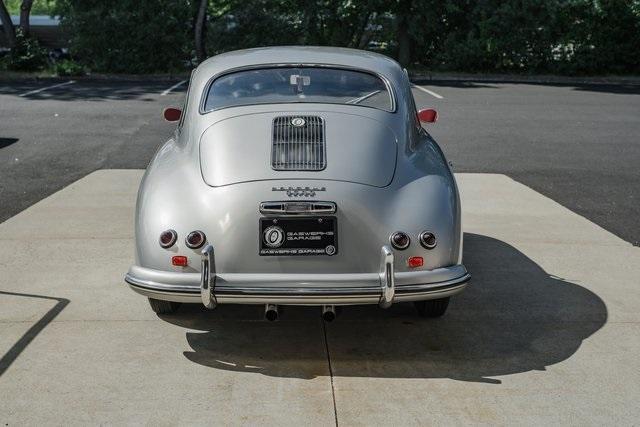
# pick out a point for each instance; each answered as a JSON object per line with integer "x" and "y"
{"x": 5, "y": 142}
{"x": 513, "y": 318}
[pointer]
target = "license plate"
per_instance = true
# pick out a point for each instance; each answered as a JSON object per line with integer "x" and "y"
{"x": 299, "y": 236}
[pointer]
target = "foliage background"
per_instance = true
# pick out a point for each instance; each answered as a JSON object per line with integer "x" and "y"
{"x": 574, "y": 37}
{"x": 40, "y": 7}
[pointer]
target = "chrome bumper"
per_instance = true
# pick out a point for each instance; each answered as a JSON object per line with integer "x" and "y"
{"x": 384, "y": 288}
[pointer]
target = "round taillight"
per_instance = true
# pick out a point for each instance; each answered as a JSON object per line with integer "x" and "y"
{"x": 428, "y": 240}
{"x": 400, "y": 240}
{"x": 195, "y": 239}
{"x": 168, "y": 238}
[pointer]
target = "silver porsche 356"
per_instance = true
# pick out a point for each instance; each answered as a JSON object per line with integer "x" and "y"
{"x": 299, "y": 176}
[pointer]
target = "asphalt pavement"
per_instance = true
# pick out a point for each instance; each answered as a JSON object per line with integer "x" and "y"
{"x": 577, "y": 144}
{"x": 547, "y": 332}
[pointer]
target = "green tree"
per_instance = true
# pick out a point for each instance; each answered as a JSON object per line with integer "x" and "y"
{"x": 25, "y": 14}
{"x": 524, "y": 36}
{"x": 609, "y": 41}
{"x": 251, "y": 23}
{"x": 7, "y": 25}
{"x": 133, "y": 36}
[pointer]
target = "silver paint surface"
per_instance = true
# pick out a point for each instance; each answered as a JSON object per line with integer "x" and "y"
{"x": 384, "y": 172}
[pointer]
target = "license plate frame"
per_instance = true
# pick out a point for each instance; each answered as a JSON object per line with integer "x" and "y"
{"x": 300, "y": 236}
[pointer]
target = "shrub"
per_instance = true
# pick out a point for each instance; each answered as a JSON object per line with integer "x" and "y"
{"x": 68, "y": 67}
{"x": 26, "y": 55}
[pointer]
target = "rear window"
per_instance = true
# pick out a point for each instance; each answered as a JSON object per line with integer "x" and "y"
{"x": 298, "y": 84}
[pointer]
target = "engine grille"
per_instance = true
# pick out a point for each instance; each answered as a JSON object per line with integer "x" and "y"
{"x": 298, "y": 144}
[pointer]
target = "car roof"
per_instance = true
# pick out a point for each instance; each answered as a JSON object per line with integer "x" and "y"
{"x": 344, "y": 57}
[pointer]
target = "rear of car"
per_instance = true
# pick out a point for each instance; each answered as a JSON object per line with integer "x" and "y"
{"x": 304, "y": 184}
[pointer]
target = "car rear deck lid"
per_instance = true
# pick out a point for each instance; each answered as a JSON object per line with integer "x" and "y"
{"x": 355, "y": 149}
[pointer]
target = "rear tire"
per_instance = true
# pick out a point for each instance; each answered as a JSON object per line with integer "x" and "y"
{"x": 163, "y": 307}
{"x": 432, "y": 308}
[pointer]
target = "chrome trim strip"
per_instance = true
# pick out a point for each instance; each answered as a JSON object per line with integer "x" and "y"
{"x": 312, "y": 300}
{"x": 372, "y": 297}
{"x": 208, "y": 277}
{"x": 226, "y": 290}
{"x": 161, "y": 287}
{"x": 370, "y": 291}
{"x": 297, "y": 208}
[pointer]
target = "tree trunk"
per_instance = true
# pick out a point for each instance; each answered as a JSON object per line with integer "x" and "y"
{"x": 312, "y": 34}
{"x": 404, "y": 40}
{"x": 357, "y": 38}
{"x": 7, "y": 25}
{"x": 201, "y": 52}
{"x": 25, "y": 12}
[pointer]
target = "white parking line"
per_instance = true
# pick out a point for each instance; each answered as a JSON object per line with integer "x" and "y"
{"x": 430, "y": 92}
{"x": 177, "y": 85}
{"x": 42, "y": 89}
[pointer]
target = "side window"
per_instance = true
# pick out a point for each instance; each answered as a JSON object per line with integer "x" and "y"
{"x": 186, "y": 102}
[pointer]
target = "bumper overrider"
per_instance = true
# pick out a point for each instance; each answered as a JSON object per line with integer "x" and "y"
{"x": 384, "y": 288}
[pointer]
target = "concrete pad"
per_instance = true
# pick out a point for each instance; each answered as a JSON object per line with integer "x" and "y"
{"x": 547, "y": 333}
{"x": 94, "y": 351}
{"x": 121, "y": 372}
{"x": 96, "y": 207}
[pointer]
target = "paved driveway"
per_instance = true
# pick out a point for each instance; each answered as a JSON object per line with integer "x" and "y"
{"x": 548, "y": 332}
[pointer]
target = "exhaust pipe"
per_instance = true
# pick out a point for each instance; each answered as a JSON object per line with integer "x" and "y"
{"x": 271, "y": 312}
{"x": 328, "y": 313}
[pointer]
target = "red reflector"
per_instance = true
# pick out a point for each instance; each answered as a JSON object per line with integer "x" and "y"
{"x": 415, "y": 261}
{"x": 180, "y": 261}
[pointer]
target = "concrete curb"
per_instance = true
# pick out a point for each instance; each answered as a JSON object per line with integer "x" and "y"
{"x": 147, "y": 78}
{"x": 416, "y": 77}
{"x": 514, "y": 78}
